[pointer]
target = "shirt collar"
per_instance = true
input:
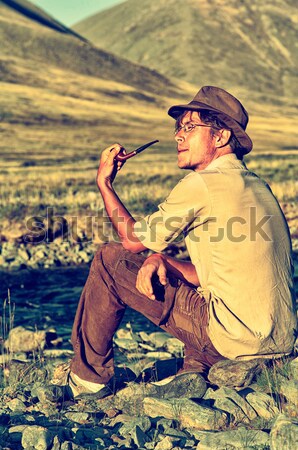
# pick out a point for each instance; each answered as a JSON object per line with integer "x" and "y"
{"x": 226, "y": 161}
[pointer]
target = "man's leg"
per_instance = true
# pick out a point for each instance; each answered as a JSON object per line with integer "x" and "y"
{"x": 109, "y": 288}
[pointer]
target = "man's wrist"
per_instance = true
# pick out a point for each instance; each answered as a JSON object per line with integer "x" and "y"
{"x": 157, "y": 256}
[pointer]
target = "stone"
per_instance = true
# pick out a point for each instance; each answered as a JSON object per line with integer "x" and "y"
{"x": 23, "y": 254}
{"x": 37, "y": 437}
{"x": 235, "y": 373}
{"x": 78, "y": 417}
{"x": 16, "y": 405}
{"x": 158, "y": 355}
{"x": 174, "y": 346}
{"x": 224, "y": 392}
{"x": 227, "y": 405}
{"x": 159, "y": 338}
{"x": 284, "y": 433}
{"x": 294, "y": 369}
{"x": 126, "y": 344}
{"x": 167, "y": 443}
{"x": 139, "y": 437}
{"x": 187, "y": 412}
{"x": 187, "y": 385}
{"x": 21, "y": 339}
{"x": 289, "y": 388}
{"x": 129, "y": 427}
{"x": 241, "y": 438}
{"x": 263, "y": 404}
{"x": 15, "y": 433}
{"x": 48, "y": 393}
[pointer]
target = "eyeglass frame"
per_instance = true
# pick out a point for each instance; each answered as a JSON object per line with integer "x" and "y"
{"x": 192, "y": 127}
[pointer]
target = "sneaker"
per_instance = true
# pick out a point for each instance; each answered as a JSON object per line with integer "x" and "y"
{"x": 81, "y": 387}
{"x": 75, "y": 387}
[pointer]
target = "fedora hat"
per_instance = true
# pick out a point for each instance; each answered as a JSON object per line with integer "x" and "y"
{"x": 227, "y": 107}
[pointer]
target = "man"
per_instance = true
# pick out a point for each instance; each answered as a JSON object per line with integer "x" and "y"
{"x": 234, "y": 299}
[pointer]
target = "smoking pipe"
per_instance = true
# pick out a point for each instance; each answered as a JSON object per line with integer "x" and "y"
{"x": 123, "y": 157}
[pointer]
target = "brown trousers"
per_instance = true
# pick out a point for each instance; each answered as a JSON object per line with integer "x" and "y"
{"x": 110, "y": 287}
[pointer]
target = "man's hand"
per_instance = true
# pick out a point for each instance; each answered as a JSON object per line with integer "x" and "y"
{"x": 154, "y": 264}
{"x": 109, "y": 166}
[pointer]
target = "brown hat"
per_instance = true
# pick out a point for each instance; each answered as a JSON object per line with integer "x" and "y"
{"x": 228, "y": 108}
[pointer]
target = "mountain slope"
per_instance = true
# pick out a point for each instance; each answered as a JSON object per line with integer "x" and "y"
{"x": 22, "y": 37}
{"x": 251, "y": 44}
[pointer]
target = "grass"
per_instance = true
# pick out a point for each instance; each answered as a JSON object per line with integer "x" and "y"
{"x": 69, "y": 186}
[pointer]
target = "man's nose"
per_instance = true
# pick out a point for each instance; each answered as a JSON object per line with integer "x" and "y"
{"x": 179, "y": 137}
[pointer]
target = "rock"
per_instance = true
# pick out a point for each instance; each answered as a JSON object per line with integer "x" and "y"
{"x": 289, "y": 388}
{"x": 78, "y": 417}
{"x": 139, "y": 437}
{"x": 225, "y": 392}
{"x": 130, "y": 399}
{"x": 36, "y": 437}
{"x": 235, "y": 373}
{"x": 187, "y": 385}
{"x": 126, "y": 344}
{"x": 15, "y": 433}
{"x": 129, "y": 428}
{"x": 294, "y": 369}
{"x": 167, "y": 443}
{"x": 23, "y": 254}
{"x": 48, "y": 393}
{"x": 144, "y": 336}
{"x": 227, "y": 405}
{"x": 284, "y": 433}
{"x": 241, "y": 438}
{"x": 187, "y": 412}
{"x": 21, "y": 339}
{"x": 263, "y": 404}
{"x": 16, "y": 405}
{"x": 159, "y": 338}
{"x": 158, "y": 355}
{"x": 174, "y": 346}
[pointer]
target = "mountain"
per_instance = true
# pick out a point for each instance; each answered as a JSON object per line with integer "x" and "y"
{"x": 27, "y": 34}
{"x": 249, "y": 44}
{"x": 60, "y": 95}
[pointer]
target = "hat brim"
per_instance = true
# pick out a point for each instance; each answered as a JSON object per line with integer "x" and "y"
{"x": 243, "y": 138}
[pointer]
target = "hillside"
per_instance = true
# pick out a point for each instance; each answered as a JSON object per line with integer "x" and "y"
{"x": 250, "y": 44}
{"x": 60, "y": 94}
{"x": 25, "y": 38}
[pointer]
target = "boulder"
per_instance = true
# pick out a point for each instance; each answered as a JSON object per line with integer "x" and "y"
{"x": 21, "y": 339}
{"x": 263, "y": 404}
{"x": 224, "y": 393}
{"x": 36, "y": 437}
{"x": 241, "y": 438}
{"x": 289, "y": 388}
{"x": 284, "y": 433}
{"x": 235, "y": 373}
{"x": 187, "y": 412}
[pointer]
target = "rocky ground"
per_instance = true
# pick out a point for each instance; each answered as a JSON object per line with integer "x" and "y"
{"x": 242, "y": 405}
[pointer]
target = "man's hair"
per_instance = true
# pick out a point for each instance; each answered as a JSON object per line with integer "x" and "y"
{"x": 211, "y": 118}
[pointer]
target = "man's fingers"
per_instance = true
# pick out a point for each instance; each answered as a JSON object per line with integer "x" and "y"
{"x": 162, "y": 275}
{"x": 144, "y": 285}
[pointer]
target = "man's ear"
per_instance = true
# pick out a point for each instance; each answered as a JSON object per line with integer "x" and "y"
{"x": 222, "y": 137}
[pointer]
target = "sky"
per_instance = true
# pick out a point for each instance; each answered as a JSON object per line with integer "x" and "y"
{"x": 70, "y": 12}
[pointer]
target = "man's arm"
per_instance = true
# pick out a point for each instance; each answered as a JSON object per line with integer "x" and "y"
{"x": 120, "y": 217}
{"x": 162, "y": 265}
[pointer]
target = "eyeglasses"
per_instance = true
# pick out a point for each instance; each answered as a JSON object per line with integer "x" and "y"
{"x": 189, "y": 127}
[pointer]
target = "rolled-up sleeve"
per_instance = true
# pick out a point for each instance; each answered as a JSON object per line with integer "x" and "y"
{"x": 185, "y": 203}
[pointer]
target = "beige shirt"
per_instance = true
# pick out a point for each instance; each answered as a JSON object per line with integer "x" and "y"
{"x": 238, "y": 240}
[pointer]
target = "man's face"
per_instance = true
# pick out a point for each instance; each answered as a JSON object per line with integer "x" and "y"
{"x": 196, "y": 148}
